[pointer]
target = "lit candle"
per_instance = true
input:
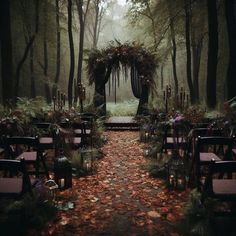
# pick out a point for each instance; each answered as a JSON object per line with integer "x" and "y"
{"x": 180, "y": 182}
{"x": 87, "y": 166}
{"x": 171, "y": 180}
{"x": 62, "y": 183}
{"x": 83, "y": 93}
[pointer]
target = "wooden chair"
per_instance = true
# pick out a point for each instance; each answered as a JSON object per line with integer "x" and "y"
{"x": 46, "y": 140}
{"x": 1, "y": 151}
{"x": 18, "y": 147}
{"x": 69, "y": 136}
{"x": 220, "y": 185}
{"x": 208, "y": 149}
{"x": 201, "y": 125}
{"x": 88, "y": 120}
{"x": 84, "y": 131}
{"x": 14, "y": 178}
{"x": 202, "y": 132}
{"x": 175, "y": 137}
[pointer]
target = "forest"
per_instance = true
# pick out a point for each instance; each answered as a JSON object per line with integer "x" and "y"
{"x": 118, "y": 117}
{"x": 45, "y": 46}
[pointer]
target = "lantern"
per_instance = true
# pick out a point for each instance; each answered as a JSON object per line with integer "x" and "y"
{"x": 146, "y": 151}
{"x": 144, "y": 133}
{"x": 88, "y": 160}
{"x": 150, "y": 151}
{"x": 51, "y": 188}
{"x": 176, "y": 177}
{"x": 63, "y": 172}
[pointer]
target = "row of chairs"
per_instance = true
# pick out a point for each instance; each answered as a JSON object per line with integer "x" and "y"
{"x": 15, "y": 180}
{"x": 211, "y": 155}
{"x": 73, "y": 133}
{"x": 26, "y": 156}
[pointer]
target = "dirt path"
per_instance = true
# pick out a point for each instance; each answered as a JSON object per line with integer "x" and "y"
{"x": 121, "y": 199}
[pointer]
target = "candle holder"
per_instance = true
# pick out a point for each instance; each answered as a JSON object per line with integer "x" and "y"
{"x": 176, "y": 174}
{"x": 88, "y": 161}
{"x": 82, "y": 95}
{"x": 145, "y": 133}
{"x": 51, "y": 188}
{"x": 63, "y": 172}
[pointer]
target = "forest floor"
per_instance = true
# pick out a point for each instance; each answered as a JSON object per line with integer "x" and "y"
{"x": 121, "y": 198}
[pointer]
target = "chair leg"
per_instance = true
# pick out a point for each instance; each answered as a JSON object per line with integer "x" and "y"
{"x": 37, "y": 168}
{"x": 44, "y": 165}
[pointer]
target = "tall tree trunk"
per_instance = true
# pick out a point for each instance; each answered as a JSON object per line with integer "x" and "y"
{"x": 231, "y": 26}
{"x": 187, "y": 8}
{"x": 162, "y": 76}
{"x": 45, "y": 72}
{"x": 81, "y": 48}
{"x": 212, "y": 53}
{"x": 72, "y": 54}
{"x": 32, "y": 75}
{"x": 27, "y": 50}
{"x": 45, "y": 57}
{"x": 6, "y": 52}
{"x": 196, "y": 55}
{"x": 58, "y": 53}
{"x": 82, "y": 11}
{"x": 96, "y": 21}
{"x": 151, "y": 17}
{"x": 173, "y": 42}
{"x": 173, "y": 57}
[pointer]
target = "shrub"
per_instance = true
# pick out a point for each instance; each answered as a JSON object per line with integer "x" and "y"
{"x": 17, "y": 217}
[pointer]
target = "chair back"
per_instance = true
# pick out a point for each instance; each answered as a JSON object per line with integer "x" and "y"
{"x": 216, "y": 140}
{"x": 217, "y": 144}
{"x": 220, "y": 183}
{"x": 223, "y": 167}
{"x": 43, "y": 125}
{"x": 78, "y": 128}
{"x": 204, "y": 132}
{"x": 13, "y": 169}
{"x": 17, "y": 144}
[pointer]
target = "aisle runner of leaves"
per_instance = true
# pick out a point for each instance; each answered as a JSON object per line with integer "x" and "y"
{"x": 121, "y": 199}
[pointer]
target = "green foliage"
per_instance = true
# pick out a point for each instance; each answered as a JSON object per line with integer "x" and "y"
{"x": 31, "y": 108}
{"x": 197, "y": 216}
{"x": 17, "y": 217}
{"x": 76, "y": 163}
{"x": 126, "y": 108}
{"x": 157, "y": 166}
{"x": 213, "y": 115}
{"x": 194, "y": 114}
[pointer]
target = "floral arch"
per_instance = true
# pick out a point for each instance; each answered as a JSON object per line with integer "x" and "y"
{"x": 105, "y": 66}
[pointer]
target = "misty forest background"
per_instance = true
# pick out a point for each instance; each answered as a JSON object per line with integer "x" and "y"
{"x": 45, "y": 44}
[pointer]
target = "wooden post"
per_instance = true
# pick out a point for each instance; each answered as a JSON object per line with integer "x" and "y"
{"x": 58, "y": 99}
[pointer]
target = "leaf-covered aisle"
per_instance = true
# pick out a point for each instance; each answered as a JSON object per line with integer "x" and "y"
{"x": 121, "y": 199}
